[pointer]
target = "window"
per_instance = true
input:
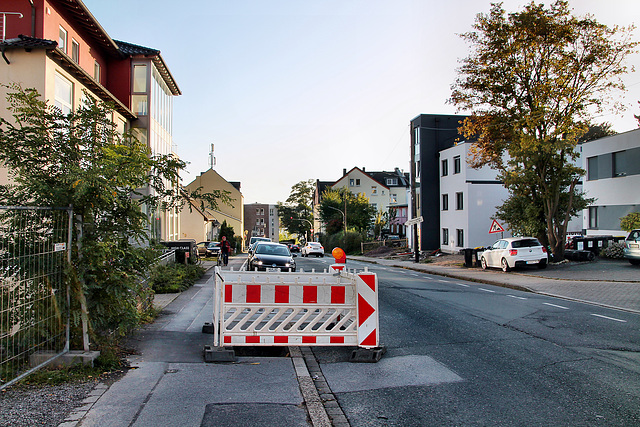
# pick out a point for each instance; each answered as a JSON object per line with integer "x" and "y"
{"x": 456, "y": 164}
{"x": 96, "y": 71}
{"x": 259, "y": 221}
{"x": 619, "y": 163}
{"x": 62, "y": 39}
{"x": 357, "y": 182}
{"x": 460, "y": 237}
{"x": 374, "y": 190}
{"x": 445, "y": 236}
{"x": 139, "y": 104}
{"x": 592, "y": 168}
{"x": 392, "y": 181}
{"x": 393, "y": 198}
{"x": 140, "y": 78}
{"x": 445, "y": 202}
{"x": 459, "y": 201}
{"x": 445, "y": 167}
{"x": 593, "y": 217}
{"x": 63, "y": 94}
{"x": 75, "y": 51}
{"x": 352, "y": 182}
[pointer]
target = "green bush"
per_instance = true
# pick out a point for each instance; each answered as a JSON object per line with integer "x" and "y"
{"x": 630, "y": 222}
{"x": 351, "y": 245}
{"x": 173, "y": 278}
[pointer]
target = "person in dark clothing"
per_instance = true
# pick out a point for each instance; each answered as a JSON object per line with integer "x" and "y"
{"x": 225, "y": 248}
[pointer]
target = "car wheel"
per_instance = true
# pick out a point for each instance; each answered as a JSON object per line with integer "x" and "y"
{"x": 483, "y": 263}
{"x": 505, "y": 265}
{"x": 634, "y": 261}
{"x": 542, "y": 264}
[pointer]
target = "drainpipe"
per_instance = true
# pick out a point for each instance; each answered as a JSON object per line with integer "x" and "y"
{"x": 33, "y": 19}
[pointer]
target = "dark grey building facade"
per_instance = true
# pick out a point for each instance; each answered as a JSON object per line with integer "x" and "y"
{"x": 430, "y": 134}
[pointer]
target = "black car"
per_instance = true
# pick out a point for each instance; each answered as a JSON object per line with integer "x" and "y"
{"x": 294, "y": 248}
{"x": 271, "y": 257}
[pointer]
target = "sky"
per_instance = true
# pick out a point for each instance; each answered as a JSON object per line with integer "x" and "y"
{"x": 292, "y": 90}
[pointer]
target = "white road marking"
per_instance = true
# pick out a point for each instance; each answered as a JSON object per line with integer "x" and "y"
{"x": 461, "y": 284}
{"x": 609, "y": 318}
{"x": 557, "y": 306}
{"x": 513, "y": 296}
{"x": 487, "y": 290}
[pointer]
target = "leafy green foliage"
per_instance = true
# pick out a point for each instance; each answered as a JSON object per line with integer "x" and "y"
{"x": 531, "y": 82}
{"x": 296, "y": 214}
{"x": 113, "y": 182}
{"x": 173, "y": 278}
{"x": 359, "y": 213}
{"x": 351, "y": 244}
{"x": 630, "y": 222}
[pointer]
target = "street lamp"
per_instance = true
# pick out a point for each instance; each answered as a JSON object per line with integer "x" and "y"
{"x": 306, "y": 220}
{"x": 344, "y": 216}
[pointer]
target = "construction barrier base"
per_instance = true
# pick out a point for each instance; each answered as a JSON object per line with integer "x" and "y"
{"x": 367, "y": 355}
{"x": 207, "y": 328}
{"x": 218, "y": 354}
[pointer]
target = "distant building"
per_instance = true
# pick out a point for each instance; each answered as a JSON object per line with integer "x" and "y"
{"x": 261, "y": 220}
{"x": 203, "y": 225}
{"x": 613, "y": 179}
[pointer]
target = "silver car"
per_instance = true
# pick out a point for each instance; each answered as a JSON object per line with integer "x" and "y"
{"x": 632, "y": 247}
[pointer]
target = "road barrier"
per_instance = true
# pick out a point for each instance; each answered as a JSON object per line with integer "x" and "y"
{"x": 299, "y": 309}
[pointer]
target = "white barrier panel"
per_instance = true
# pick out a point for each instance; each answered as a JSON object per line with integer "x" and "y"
{"x": 266, "y": 309}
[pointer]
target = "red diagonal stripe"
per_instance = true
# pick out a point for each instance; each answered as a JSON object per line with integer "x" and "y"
{"x": 370, "y": 341}
{"x": 364, "y": 310}
{"x": 370, "y": 280}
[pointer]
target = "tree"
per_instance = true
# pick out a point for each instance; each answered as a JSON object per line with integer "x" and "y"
{"x": 80, "y": 159}
{"x": 296, "y": 214}
{"x": 630, "y": 221}
{"x": 531, "y": 82}
{"x": 359, "y": 213}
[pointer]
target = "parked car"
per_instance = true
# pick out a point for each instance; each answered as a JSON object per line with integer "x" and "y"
{"x": 632, "y": 247}
{"x": 271, "y": 257}
{"x": 294, "y": 248}
{"x": 213, "y": 249}
{"x": 514, "y": 252}
{"x": 312, "y": 248}
{"x": 202, "y": 248}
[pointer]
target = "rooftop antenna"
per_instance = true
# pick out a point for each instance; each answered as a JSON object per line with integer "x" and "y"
{"x": 212, "y": 158}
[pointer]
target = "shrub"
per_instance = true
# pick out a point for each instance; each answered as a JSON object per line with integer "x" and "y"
{"x": 614, "y": 250}
{"x": 630, "y": 222}
{"x": 173, "y": 278}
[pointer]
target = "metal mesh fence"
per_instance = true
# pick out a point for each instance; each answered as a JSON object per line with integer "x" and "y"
{"x": 34, "y": 299}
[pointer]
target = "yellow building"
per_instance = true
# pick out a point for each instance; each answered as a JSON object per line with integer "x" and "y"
{"x": 204, "y": 225}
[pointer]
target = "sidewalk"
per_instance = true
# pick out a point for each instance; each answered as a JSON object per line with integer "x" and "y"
{"x": 608, "y": 283}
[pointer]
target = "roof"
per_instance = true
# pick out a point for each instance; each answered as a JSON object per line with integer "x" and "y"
{"x": 90, "y": 24}
{"x": 132, "y": 50}
{"x": 26, "y": 42}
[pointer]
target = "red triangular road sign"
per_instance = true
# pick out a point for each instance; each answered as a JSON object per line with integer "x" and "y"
{"x": 495, "y": 227}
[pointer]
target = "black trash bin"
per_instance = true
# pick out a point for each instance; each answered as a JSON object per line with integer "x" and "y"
{"x": 468, "y": 257}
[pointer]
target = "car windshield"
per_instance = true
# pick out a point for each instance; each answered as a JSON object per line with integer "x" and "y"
{"x": 634, "y": 235}
{"x": 272, "y": 250}
{"x": 525, "y": 243}
{"x": 315, "y": 244}
{"x": 213, "y": 245}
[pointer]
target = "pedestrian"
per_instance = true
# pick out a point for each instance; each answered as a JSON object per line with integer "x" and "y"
{"x": 225, "y": 247}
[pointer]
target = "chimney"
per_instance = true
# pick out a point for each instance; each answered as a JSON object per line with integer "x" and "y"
{"x": 363, "y": 169}
{"x": 344, "y": 171}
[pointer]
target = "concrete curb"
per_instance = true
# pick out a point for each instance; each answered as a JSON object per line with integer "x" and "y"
{"x": 315, "y": 408}
{"x": 75, "y": 418}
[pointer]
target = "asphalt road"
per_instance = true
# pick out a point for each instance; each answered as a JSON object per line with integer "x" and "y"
{"x": 464, "y": 353}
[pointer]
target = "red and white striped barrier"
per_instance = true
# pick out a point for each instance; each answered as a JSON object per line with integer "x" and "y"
{"x": 323, "y": 309}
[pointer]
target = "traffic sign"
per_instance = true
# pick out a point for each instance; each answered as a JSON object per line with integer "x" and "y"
{"x": 495, "y": 227}
{"x": 414, "y": 221}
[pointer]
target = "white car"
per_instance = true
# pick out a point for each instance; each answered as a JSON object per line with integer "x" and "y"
{"x": 312, "y": 248}
{"x": 514, "y": 252}
{"x": 632, "y": 247}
